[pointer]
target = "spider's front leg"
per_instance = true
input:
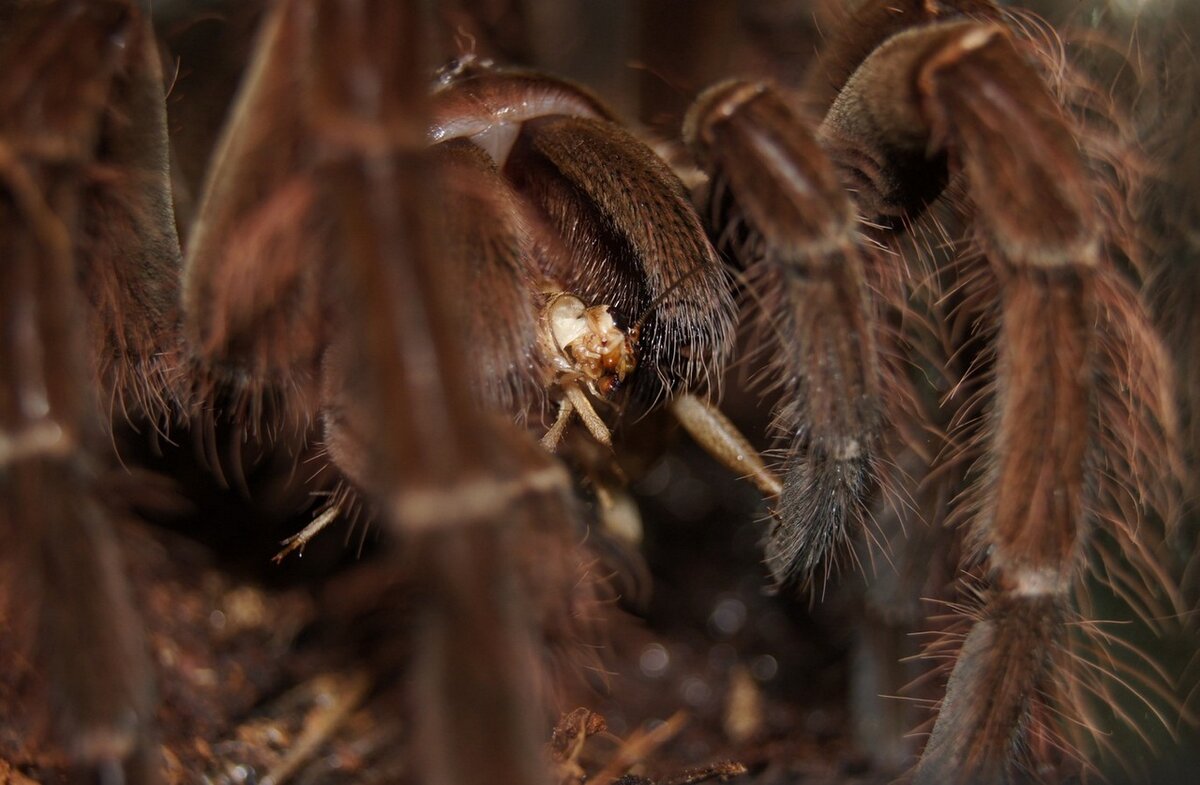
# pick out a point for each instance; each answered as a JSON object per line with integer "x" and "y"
{"x": 1081, "y": 390}
{"x": 86, "y": 297}
{"x": 777, "y": 205}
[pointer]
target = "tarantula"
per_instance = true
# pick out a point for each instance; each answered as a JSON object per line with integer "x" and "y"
{"x": 408, "y": 275}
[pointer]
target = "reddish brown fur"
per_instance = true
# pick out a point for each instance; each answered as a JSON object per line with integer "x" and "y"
{"x": 1034, "y": 515}
{"x": 779, "y": 207}
{"x": 129, "y": 239}
{"x": 255, "y": 329}
{"x": 1008, "y": 658}
{"x": 396, "y": 392}
{"x": 490, "y": 248}
{"x": 634, "y": 243}
{"x": 313, "y": 278}
{"x": 609, "y": 221}
{"x": 867, "y": 26}
{"x": 63, "y": 62}
{"x": 1068, "y": 337}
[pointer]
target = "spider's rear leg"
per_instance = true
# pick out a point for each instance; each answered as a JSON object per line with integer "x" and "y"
{"x": 83, "y": 203}
{"x": 470, "y": 491}
{"x": 1080, "y": 382}
{"x": 776, "y": 204}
